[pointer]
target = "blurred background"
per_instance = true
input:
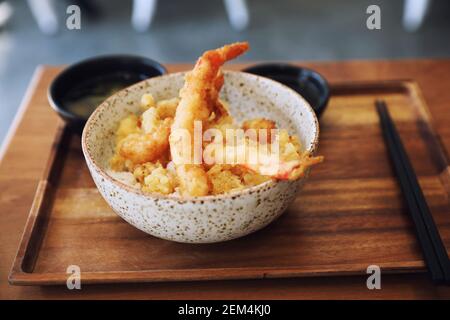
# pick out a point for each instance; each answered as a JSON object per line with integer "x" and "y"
{"x": 34, "y": 32}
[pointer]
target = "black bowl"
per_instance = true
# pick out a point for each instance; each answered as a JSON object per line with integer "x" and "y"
{"x": 81, "y": 79}
{"x": 308, "y": 83}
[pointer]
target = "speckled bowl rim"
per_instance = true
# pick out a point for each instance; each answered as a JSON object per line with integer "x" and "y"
{"x": 234, "y": 194}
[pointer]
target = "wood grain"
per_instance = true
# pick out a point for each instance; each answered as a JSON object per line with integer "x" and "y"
{"x": 349, "y": 216}
{"x": 20, "y": 173}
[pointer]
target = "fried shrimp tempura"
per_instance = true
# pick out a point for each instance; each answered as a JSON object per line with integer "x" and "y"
{"x": 198, "y": 99}
{"x": 157, "y": 150}
{"x": 286, "y": 164}
{"x": 146, "y": 138}
{"x": 146, "y": 147}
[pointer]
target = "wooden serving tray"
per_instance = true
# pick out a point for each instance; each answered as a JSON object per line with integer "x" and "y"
{"x": 349, "y": 215}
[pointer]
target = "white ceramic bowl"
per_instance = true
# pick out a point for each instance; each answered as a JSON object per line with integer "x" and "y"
{"x": 210, "y": 218}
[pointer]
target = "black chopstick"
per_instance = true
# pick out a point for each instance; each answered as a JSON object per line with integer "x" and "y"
{"x": 433, "y": 249}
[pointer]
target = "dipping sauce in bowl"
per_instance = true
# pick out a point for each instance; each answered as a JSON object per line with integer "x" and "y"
{"x": 84, "y": 98}
{"x": 78, "y": 90}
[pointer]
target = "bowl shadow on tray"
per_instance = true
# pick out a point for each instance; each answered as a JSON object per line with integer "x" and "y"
{"x": 262, "y": 237}
{"x": 252, "y": 250}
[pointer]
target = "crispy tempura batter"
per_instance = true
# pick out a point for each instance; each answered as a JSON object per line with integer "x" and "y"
{"x": 260, "y": 124}
{"x": 198, "y": 99}
{"x": 146, "y": 147}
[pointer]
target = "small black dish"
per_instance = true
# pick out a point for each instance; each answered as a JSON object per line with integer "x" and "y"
{"x": 79, "y": 89}
{"x": 308, "y": 83}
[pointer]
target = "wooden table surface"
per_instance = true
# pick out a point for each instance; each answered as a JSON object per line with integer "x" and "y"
{"x": 23, "y": 160}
